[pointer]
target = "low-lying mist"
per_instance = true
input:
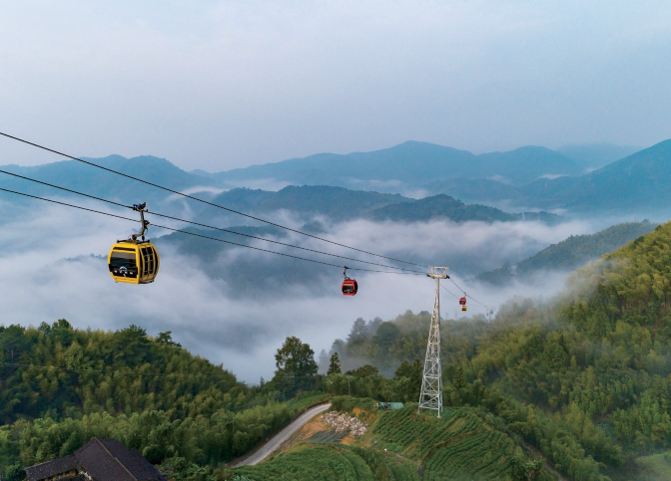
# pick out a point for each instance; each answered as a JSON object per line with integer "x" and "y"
{"x": 54, "y": 261}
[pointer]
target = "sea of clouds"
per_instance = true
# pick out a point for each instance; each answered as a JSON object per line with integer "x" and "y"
{"x": 54, "y": 265}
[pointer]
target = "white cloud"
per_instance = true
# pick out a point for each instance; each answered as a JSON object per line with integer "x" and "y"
{"x": 211, "y": 317}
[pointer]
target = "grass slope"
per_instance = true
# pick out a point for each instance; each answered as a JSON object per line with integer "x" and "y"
{"x": 655, "y": 467}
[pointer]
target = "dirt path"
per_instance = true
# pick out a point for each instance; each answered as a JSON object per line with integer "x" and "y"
{"x": 275, "y": 442}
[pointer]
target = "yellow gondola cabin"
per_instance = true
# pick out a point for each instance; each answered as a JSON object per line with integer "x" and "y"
{"x": 133, "y": 262}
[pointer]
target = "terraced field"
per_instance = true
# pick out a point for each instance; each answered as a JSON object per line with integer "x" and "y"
{"x": 331, "y": 463}
{"x": 457, "y": 446}
{"x": 326, "y": 436}
{"x": 400, "y": 446}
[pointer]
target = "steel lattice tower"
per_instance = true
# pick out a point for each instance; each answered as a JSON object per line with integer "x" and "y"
{"x": 431, "y": 396}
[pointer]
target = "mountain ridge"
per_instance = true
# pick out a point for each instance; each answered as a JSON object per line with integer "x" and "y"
{"x": 415, "y": 161}
{"x": 569, "y": 254}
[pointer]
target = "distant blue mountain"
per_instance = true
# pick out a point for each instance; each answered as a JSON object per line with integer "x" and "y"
{"x": 477, "y": 190}
{"x": 444, "y": 206}
{"x": 528, "y": 178}
{"x": 83, "y": 178}
{"x": 638, "y": 183}
{"x": 410, "y": 163}
{"x": 595, "y": 156}
{"x": 336, "y": 203}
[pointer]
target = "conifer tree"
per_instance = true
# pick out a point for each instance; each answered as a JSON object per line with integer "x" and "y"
{"x": 334, "y": 365}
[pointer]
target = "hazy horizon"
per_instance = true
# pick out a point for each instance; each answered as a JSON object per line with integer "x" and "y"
{"x": 43, "y": 158}
{"x": 223, "y": 84}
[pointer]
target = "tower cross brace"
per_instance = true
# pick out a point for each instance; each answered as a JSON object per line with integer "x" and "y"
{"x": 431, "y": 396}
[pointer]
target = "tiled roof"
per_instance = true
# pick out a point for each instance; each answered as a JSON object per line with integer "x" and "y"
{"x": 104, "y": 460}
{"x": 51, "y": 468}
{"x": 109, "y": 460}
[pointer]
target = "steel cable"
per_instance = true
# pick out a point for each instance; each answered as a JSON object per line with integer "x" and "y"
{"x": 92, "y": 164}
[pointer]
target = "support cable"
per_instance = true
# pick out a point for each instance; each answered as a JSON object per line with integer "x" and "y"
{"x": 204, "y": 236}
{"x": 107, "y": 169}
{"x": 468, "y": 295}
{"x": 204, "y": 225}
{"x": 450, "y": 292}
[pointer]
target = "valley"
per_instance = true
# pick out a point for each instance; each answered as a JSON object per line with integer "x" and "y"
{"x": 335, "y": 241}
{"x": 554, "y": 385}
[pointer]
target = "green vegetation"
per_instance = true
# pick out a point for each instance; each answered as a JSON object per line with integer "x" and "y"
{"x": 60, "y": 387}
{"x": 569, "y": 254}
{"x": 656, "y": 467}
{"x": 583, "y": 379}
{"x": 402, "y": 444}
{"x": 58, "y": 371}
{"x": 332, "y": 462}
{"x": 459, "y": 445}
{"x": 334, "y": 365}
{"x": 296, "y": 367}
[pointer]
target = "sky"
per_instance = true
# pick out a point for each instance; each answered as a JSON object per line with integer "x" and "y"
{"x": 217, "y": 85}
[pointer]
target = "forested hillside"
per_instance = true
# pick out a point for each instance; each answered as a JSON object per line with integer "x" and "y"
{"x": 60, "y": 387}
{"x": 569, "y": 254}
{"x": 588, "y": 370}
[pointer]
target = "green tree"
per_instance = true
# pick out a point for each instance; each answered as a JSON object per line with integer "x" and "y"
{"x": 364, "y": 371}
{"x": 387, "y": 333}
{"x": 296, "y": 366}
{"x": 358, "y": 332}
{"x": 166, "y": 338}
{"x": 13, "y": 342}
{"x": 334, "y": 365}
{"x": 526, "y": 471}
{"x": 459, "y": 378}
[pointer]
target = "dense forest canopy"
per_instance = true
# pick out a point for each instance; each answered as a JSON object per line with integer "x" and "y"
{"x": 593, "y": 363}
{"x": 60, "y": 387}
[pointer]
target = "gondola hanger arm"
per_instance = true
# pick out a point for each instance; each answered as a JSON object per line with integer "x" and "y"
{"x": 141, "y": 208}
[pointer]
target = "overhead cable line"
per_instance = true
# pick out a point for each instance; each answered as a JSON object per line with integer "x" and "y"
{"x": 92, "y": 164}
{"x": 450, "y": 292}
{"x": 468, "y": 295}
{"x": 487, "y": 309}
{"x": 204, "y": 236}
{"x": 203, "y": 225}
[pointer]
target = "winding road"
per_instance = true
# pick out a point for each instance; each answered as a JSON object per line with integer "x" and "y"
{"x": 275, "y": 442}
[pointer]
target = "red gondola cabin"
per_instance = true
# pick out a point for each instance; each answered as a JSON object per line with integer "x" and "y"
{"x": 350, "y": 287}
{"x": 462, "y": 301}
